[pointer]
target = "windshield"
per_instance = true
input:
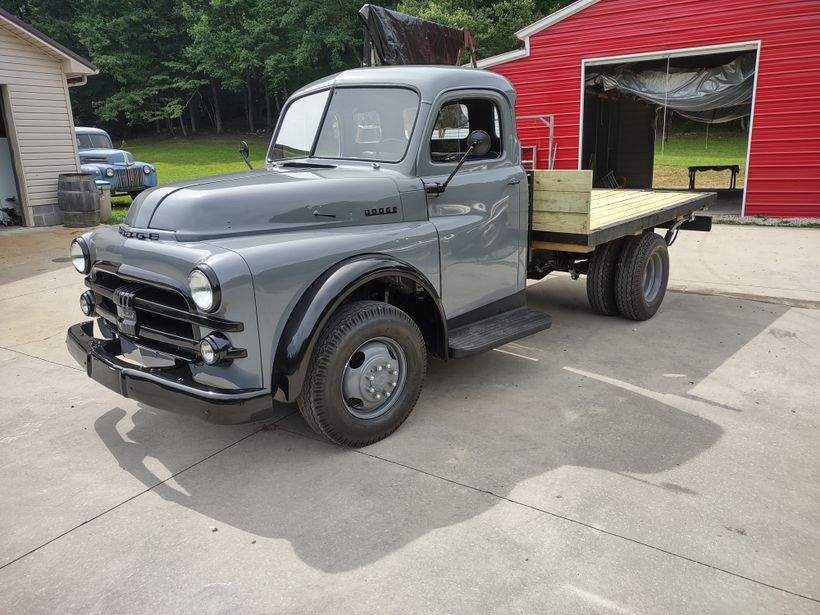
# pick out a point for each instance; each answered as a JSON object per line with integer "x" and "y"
{"x": 93, "y": 141}
{"x": 360, "y": 124}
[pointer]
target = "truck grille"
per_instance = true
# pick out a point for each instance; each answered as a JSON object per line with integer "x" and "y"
{"x": 129, "y": 179}
{"x": 156, "y": 317}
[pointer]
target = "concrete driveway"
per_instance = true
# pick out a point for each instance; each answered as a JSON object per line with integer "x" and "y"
{"x": 603, "y": 466}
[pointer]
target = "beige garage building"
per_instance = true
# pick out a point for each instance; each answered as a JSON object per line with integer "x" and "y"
{"x": 36, "y": 124}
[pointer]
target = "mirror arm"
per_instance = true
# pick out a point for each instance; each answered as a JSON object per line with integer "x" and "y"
{"x": 439, "y": 188}
{"x": 245, "y": 153}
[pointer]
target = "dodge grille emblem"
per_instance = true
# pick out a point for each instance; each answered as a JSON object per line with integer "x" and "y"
{"x": 126, "y": 314}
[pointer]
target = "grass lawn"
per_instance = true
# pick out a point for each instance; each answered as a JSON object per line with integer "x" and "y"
{"x": 684, "y": 150}
{"x": 178, "y": 159}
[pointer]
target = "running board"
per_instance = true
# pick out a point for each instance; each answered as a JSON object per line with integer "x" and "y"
{"x": 496, "y": 331}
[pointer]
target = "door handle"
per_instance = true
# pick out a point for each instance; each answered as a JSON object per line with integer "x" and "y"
{"x": 513, "y": 181}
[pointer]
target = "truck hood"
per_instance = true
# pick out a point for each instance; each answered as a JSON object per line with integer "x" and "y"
{"x": 105, "y": 156}
{"x": 273, "y": 199}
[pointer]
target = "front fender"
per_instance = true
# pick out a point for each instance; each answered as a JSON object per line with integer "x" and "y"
{"x": 318, "y": 303}
{"x": 93, "y": 169}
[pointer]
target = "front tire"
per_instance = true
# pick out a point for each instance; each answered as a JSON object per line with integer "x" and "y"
{"x": 642, "y": 275}
{"x": 365, "y": 374}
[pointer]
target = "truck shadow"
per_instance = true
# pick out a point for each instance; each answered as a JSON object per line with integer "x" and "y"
{"x": 486, "y": 424}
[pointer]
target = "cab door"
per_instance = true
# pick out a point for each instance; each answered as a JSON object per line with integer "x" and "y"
{"x": 479, "y": 216}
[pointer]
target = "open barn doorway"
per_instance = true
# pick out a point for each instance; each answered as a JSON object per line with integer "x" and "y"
{"x": 677, "y": 120}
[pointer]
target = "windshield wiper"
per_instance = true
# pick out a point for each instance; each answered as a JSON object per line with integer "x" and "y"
{"x": 305, "y": 165}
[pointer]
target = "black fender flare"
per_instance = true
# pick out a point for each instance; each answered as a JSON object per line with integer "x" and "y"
{"x": 318, "y": 303}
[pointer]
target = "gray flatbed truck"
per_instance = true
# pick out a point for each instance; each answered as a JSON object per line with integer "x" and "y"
{"x": 392, "y": 221}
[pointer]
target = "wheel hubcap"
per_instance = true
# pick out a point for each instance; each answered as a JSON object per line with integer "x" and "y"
{"x": 653, "y": 277}
{"x": 373, "y": 378}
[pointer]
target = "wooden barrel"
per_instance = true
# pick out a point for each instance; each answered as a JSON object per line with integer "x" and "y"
{"x": 79, "y": 199}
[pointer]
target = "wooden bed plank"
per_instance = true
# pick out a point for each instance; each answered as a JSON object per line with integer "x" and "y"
{"x": 575, "y": 202}
{"x": 564, "y": 222}
{"x": 606, "y": 212}
{"x": 604, "y": 198}
{"x": 561, "y": 247}
{"x": 625, "y": 207}
{"x": 562, "y": 181}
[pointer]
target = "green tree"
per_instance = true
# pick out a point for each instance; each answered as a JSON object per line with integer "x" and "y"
{"x": 140, "y": 48}
{"x": 162, "y": 61}
{"x": 229, "y": 42}
{"x": 492, "y": 22}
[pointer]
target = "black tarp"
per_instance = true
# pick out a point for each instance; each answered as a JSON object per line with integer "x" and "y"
{"x": 403, "y": 39}
{"x": 710, "y": 95}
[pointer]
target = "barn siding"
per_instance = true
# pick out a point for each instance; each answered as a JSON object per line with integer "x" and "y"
{"x": 784, "y": 163}
{"x": 40, "y": 124}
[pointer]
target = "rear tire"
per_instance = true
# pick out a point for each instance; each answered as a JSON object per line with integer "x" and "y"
{"x": 642, "y": 275}
{"x": 603, "y": 264}
{"x": 365, "y": 374}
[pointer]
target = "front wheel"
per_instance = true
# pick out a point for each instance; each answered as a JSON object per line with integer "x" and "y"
{"x": 365, "y": 374}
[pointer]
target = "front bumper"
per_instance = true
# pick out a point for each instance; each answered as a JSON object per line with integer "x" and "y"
{"x": 172, "y": 389}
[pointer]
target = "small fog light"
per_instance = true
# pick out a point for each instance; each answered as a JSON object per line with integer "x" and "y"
{"x": 87, "y": 303}
{"x": 147, "y": 170}
{"x": 109, "y": 172}
{"x": 215, "y": 348}
{"x": 208, "y": 352}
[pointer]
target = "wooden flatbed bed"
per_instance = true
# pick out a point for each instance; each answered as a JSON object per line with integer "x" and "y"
{"x": 567, "y": 214}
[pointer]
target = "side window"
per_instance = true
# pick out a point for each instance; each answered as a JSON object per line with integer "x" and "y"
{"x": 456, "y": 120}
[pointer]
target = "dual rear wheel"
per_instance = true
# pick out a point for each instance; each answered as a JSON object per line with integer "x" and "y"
{"x": 629, "y": 276}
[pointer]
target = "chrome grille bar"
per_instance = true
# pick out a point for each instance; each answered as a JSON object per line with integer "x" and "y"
{"x": 130, "y": 178}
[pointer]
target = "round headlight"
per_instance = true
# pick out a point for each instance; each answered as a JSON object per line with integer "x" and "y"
{"x": 208, "y": 352}
{"x": 147, "y": 169}
{"x": 204, "y": 288}
{"x": 80, "y": 257}
{"x": 109, "y": 172}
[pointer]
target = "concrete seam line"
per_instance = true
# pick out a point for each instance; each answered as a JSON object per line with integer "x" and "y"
{"x": 565, "y": 518}
{"x": 143, "y": 492}
{"x": 797, "y": 303}
{"x": 31, "y": 356}
{"x": 591, "y": 527}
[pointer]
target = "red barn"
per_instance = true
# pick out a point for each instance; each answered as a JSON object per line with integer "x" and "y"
{"x": 562, "y": 49}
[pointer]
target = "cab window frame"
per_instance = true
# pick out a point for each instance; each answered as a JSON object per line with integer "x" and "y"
{"x": 505, "y": 124}
{"x": 331, "y": 89}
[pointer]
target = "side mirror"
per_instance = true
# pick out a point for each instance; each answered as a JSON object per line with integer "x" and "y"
{"x": 244, "y": 151}
{"x": 480, "y": 142}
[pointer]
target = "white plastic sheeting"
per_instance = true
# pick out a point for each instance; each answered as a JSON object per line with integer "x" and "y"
{"x": 710, "y": 95}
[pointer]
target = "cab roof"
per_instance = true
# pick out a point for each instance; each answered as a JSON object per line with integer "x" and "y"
{"x": 428, "y": 80}
{"x": 84, "y": 130}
